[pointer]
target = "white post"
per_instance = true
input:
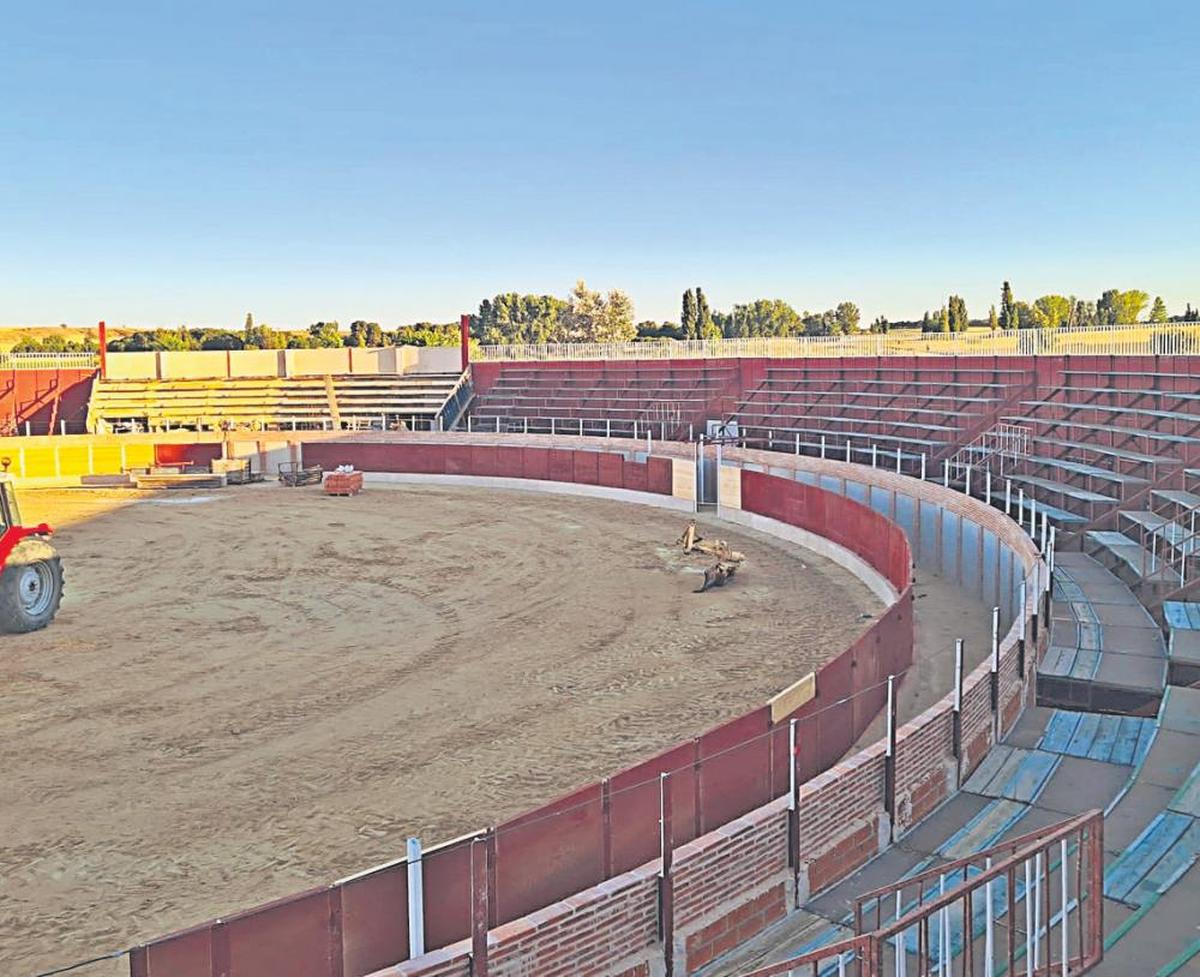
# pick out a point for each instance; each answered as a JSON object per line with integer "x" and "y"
{"x": 416, "y": 900}
{"x": 26, "y": 429}
{"x": 647, "y": 440}
{"x": 1030, "y": 936}
{"x": 958, "y": 670}
{"x": 847, "y": 450}
{"x": 62, "y": 425}
{"x": 989, "y": 937}
{"x": 552, "y": 425}
{"x": 822, "y": 447}
{"x": 987, "y": 486}
{"x": 898, "y": 459}
{"x": 525, "y": 424}
{"x": 1008, "y": 497}
{"x": 874, "y": 455}
{"x": 1021, "y": 508}
{"x": 1037, "y": 905}
{"x": 1062, "y": 922}
{"x": 608, "y": 427}
{"x": 891, "y": 713}
{"x": 1033, "y": 514}
{"x": 791, "y": 764}
{"x": 635, "y": 430}
{"x": 995, "y": 639}
{"x": 946, "y": 473}
{"x": 797, "y": 442}
{"x": 497, "y": 424}
{"x": 470, "y": 418}
{"x": 1045, "y": 529}
{"x": 922, "y": 466}
{"x": 901, "y": 949}
{"x": 1052, "y": 546}
{"x": 943, "y": 931}
{"x": 581, "y": 427}
{"x": 967, "y": 489}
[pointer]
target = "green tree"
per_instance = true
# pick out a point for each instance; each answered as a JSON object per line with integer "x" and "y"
{"x": 689, "y": 317}
{"x": 1120, "y": 308}
{"x": 513, "y": 318}
{"x": 1029, "y": 316}
{"x": 1008, "y": 309}
{"x": 846, "y": 316}
{"x": 704, "y": 320}
{"x": 595, "y": 318}
{"x": 993, "y": 319}
{"x": 1159, "y": 312}
{"x": 880, "y": 325}
{"x": 956, "y": 313}
{"x": 765, "y": 317}
{"x": 364, "y": 334}
{"x": 1054, "y": 311}
{"x": 324, "y": 335}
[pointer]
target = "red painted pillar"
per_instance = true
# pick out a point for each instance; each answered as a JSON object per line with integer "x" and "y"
{"x": 103, "y": 349}
{"x": 464, "y": 338}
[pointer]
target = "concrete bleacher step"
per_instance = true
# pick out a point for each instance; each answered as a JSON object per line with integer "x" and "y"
{"x": 1176, "y": 536}
{"x": 1157, "y": 858}
{"x": 1132, "y": 556}
{"x": 1189, "y": 500}
{"x": 1124, "y": 454}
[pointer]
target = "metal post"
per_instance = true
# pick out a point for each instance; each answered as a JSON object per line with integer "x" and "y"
{"x": 793, "y": 784}
{"x": 1030, "y": 936}
{"x": 1051, "y": 552}
{"x": 922, "y": 466}
{"x": 552, "y": 425}
{"x": 635, "y": 430}
{"x": 666, "y": 901}
{"x": 416, "y": 897}
{"x": 874, "y": 455}
{"x": 1062, "y": 923}
{"x": 989, "y": 935}
{"x": 470, "y": 418}
{"x": 647, "y": 441}
{"x": 1045, "y": 527}
{"x": 1008, "y": 497}
{"x": 946, "y": 473}
{"x": 958, "y": 690}
{"x": 62, "y": 425}
{"x": 847, "y": 450}
{"x": 1021, "y": 640}
{"x": 889, "y": 775}
{"x": 581, "y": 427}
{"x": 797, "y": 442}
{"x": 995, "y": 670}
{"x": 479, "y": 908}
{"x": 1037, "y": 905}
{"x": 987, "y": 486}
{"x": 899, "y": 456}
{"x": 822, "y": 447}
{"x": 1021, "y": 508}
{"x": 967, "y": 489}
{"x": 497, "y": 424}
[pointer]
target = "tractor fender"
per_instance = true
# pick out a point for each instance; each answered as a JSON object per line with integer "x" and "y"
{"x": 38, "y": 548}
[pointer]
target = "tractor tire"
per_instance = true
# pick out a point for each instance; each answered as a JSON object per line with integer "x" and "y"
{"x": 31, "y": 587}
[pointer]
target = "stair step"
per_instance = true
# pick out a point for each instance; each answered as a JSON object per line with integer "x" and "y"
{"x": 1188, "y": 499}
{"x": 1133, "y": 556}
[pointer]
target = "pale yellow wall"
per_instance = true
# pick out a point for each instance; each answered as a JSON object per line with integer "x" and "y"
{"x": 683, "y": 479}
{"x": 729, "y": 487}
{"x": 196, "y": 365}
{"x": 437, "y": 359}
{"x": 256, "y": 362}
{"x": 317, "y": 362}
{"x": 132, "y": 366}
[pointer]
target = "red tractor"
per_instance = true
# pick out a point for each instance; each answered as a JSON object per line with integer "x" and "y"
{"x": 31, "y": 579}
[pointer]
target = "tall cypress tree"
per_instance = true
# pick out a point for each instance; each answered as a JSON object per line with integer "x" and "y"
{"x": 1008, "y": 308}
{"x": 703, "y": 315}
{"x": 687, "y": 320}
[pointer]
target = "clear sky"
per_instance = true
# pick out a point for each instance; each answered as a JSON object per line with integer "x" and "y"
{"x": 166, "y": 163}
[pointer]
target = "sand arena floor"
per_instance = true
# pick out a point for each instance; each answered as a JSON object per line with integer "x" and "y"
{"x": 253, "y": 690}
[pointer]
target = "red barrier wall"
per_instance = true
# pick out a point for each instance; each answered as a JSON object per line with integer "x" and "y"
{"x": 30, "y": 396}
{"x": 598, "y": 831}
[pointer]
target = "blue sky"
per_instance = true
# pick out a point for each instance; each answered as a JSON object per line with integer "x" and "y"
{"x": 166, "y": 163}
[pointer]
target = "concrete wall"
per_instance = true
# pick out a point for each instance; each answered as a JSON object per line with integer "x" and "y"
{"x": 209, "y": 364}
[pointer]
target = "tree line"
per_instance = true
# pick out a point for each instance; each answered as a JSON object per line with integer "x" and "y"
{"x": 588, "y": 316}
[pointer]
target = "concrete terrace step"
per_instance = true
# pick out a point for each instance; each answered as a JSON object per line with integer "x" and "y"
{"x": 1189, "y": 500}
{"x": 1093, "y": 471}
{"x": 1061, "y": 488}
{"x": 1129, "y": 432}
{"x": 1144, "y": 564}
{"x": 1173, "y": 533}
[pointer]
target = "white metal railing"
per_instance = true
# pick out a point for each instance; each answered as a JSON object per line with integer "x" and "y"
{"x": 49, "y": 361}
{"x": 1170, "y": 339}
{"x": 1004, "y": 442}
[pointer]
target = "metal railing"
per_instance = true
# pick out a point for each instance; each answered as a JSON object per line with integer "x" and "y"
{"x": 49, "y": 361}
{"x": 989, "y": 451}
{"x": 1031, "y": 906}
{"x": 1169, "y": 339}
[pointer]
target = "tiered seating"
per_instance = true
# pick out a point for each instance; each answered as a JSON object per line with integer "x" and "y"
{"x": 270, "y": 403}
{"x": 893, "y": 408}
{"x": 618, "y": 399}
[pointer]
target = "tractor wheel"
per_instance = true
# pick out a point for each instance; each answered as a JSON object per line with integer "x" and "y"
{"x": 31, "y": 587}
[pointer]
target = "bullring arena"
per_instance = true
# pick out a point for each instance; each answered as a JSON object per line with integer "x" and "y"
{"x": 255, "y": 695}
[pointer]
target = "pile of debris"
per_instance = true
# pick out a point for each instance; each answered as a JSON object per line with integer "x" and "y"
{"x": 728, "y": 560}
